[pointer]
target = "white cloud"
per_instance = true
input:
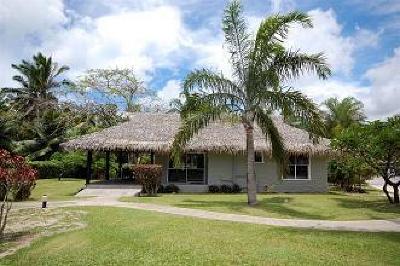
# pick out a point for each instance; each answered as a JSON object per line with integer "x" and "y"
{"x": 385, "y": 86}
{"x": 170, "y": 91}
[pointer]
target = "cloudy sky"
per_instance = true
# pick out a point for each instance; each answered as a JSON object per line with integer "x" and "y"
{"x": 163, "y": 40}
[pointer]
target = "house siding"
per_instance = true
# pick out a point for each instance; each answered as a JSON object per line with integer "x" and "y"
{"x": 232, "y": 169}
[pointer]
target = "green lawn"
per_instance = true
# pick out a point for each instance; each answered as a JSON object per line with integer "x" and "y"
{"x": 116, "y": 236}
{"x": 330, "y": 206}
{"x": 64, "y": 189}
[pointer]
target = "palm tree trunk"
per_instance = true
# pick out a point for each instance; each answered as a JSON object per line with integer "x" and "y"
{"x": 251, "y": 173}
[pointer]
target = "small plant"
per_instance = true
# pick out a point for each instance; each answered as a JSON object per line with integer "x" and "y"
{"x": 226, "y": 189}
{"x": 236, "y": 188}
{"x": 149, "y": 176}
{"x": 171, "y": 188}
{"x": 213, "y": 189}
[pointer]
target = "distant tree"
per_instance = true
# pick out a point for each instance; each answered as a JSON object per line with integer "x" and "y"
{"x": 38, "y": 81}
{"x": 342, "y": 114}
{"x": 259, "y": 66}
{"x": 378, "y": 145}
{"x": 115, "y": 83}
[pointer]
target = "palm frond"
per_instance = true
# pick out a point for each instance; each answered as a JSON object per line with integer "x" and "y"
{"x": 237, "y": 38}
{"x": 265, "y": 122}
{"x": 292, "y": 64}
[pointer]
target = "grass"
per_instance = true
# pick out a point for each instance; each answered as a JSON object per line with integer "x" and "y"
{"x": 327, "y": 206}
{"x": 133, "y": 237}
{"x": 64, "y": 189}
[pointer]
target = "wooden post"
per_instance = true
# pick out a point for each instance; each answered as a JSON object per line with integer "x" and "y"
{"x": 152, "y": 157}
{"x": 119, "y": 164}
{"x": 89, "y": 161}
{"x": 107, "y": 165}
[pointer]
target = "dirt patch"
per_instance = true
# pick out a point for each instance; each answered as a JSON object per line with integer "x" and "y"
{"x": 26, "y": 225}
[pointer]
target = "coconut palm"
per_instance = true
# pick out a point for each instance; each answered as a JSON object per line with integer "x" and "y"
{"x": 342, "y": 114}
{"x": 255, "y": 92}
{"x": 38, "y": 80}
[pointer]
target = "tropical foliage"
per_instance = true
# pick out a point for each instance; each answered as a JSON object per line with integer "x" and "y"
{"x": 376, "y": 144}
{"x": 260, "y": 66}
{"x": 341, "y": 114}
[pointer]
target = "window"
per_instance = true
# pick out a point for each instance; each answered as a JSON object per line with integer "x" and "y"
{"x": 298, "y": 168}
{"x": 258, "y": 157}
{"x": 191, "y": 170}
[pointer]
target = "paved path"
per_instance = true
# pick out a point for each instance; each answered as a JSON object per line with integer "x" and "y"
{"x": 360, "y": 225}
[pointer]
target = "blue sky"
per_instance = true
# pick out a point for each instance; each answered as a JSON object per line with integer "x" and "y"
{"x": 163, "y": 40}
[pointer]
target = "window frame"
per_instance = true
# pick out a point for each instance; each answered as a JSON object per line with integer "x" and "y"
{"x": 185, "y": 168}
{"x": 295, "y": 165}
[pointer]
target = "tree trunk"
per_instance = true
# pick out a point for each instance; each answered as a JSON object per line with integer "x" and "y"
{"x": 387, "y": 192}
{"x": 251, "y": 173}
{"x": 396, "y": 199}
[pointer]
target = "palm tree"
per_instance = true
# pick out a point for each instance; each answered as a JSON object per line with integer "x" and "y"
{"x": 255, "y": 93}
{"x": 38, "y": 80}
{"x": 342, "y": 114}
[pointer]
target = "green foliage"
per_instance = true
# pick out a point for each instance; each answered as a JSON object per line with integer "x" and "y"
{"x": 116, "y": 82}
{"x": 235, "y": 188}
{"x": 149, "y": 176}
{"x": 376, "y": 144}
{"x": 343, "y": 114}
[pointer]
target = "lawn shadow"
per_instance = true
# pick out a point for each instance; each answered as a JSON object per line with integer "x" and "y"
{"x": 378, "y": 206}
{"x": 266, "y": 207}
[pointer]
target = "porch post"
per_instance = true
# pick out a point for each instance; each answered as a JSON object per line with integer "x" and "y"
{"x": 152, "y": 157}
{"x": 89, "y": 161}
{"x": 119, "y": 164}
{"x": 107, "y": 165}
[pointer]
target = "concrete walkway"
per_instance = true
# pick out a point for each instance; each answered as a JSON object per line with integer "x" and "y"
{"x": 360, "y": 225}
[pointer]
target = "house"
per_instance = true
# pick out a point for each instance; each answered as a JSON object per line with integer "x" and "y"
{"x": 215, "y": 156}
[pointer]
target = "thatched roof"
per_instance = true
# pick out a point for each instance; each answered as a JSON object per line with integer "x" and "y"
{"x": 156, "y": 131}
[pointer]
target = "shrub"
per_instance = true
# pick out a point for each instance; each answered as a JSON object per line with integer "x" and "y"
{"x": 149, "y": 176}
{"x": 16, "y": 178}
{"x": 236, "y": 188}
{"x": 213, "y": 189}
{"x": 226, "y": 189}
{"x": 171, "y": 188}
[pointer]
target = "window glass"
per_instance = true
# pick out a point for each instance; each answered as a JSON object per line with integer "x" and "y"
{"x": 258, "y": 157}
{"x": 191, "y": 170}
{"x": 297, "y": 168}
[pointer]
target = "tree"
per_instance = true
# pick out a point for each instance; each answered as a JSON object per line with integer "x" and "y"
{"x": 15, "y": 173}
{"x": 342, "y": 114}
{"x": 378, "y": 145}
{"x": 39, "y": 80}
{"x": 255, "y": 92}
{"x": 116, "y": 82}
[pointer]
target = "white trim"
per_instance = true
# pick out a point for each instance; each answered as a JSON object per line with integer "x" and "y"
{"x": 308, "y": 172}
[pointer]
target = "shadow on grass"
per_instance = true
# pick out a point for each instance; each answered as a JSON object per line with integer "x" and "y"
{"x": 265, "y": 206}
{"x": 371, "y": 208}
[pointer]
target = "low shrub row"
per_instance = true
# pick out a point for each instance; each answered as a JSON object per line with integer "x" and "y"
{"x": 168, "y": 189}
{"x": 55, "y": 169}
{"x": 235, "y": 188}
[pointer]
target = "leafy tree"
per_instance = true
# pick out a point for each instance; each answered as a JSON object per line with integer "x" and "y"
{"x": 47, "y": 132}
{"x": 38, "y": 81}
{"x": 115, "y": 82}
{"x": 15, "y": 174}
{"x": 378, "y": 145}
{"x": 5, "y": 127}
{"x": 342, "y": 114}
{"x": 259, "y": 66}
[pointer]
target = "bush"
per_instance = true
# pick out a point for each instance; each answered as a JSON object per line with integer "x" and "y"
{"x": 226, "y": 189}
{"x": 171, "y": 189}
{"x": 213, "y": 189}
{"x": 24, "y": 191}
{"x": 149, "y": 176}
{"x": 55, "y": 169}
{"x": 236, "y": 188}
